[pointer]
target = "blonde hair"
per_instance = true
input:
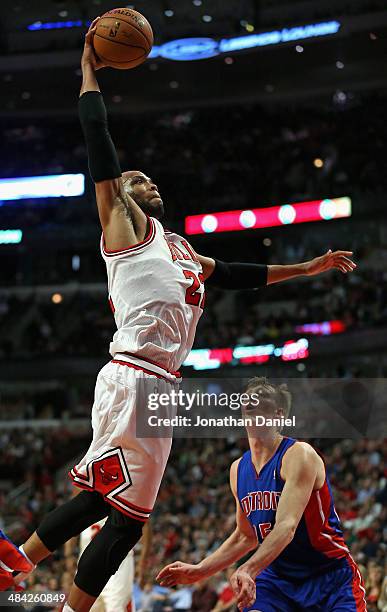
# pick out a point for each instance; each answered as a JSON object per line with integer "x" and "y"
{"x": 273, "y": 396}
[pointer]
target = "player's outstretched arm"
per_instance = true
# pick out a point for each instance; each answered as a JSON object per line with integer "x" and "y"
{"x": 252, "y": 276}
{"x": 300, "y": 468}
{"x": 122, "y": 220}
{"x": 331, "y": 260}
{"x": 241, "y": 541}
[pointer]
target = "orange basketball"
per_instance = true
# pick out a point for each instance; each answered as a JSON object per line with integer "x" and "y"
{"x": 123, "y": 38}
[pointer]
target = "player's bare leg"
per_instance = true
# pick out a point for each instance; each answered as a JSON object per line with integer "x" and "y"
{"x": 35, "y": 550}
{"x": 79, "y": 601}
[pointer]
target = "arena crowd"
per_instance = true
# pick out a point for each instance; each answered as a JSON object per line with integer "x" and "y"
{"x": 195, "y": 511}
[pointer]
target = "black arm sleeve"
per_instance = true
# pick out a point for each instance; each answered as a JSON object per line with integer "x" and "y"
{"x": 103, "y": 159}
{"x": 238, "y": 275}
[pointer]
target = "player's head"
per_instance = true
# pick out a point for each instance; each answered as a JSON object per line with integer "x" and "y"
{"x": 144, "y": 192}
{"x": 267, "y": 399}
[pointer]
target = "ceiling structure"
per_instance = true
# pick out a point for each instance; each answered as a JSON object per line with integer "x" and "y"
{"x": 39, "y": 70}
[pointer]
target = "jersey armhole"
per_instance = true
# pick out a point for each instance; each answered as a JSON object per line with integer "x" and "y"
{"x": 325, "y": 470}
{"x": 139, "y": 247}
{"x": 237, "y": 480}
{"x": 281, "y": 459}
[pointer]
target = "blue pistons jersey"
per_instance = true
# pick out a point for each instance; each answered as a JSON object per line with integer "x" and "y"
{"x": 318, "y": 543}
{"x": 315, "y": 572}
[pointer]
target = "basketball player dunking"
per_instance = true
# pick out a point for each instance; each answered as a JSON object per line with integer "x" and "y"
{"x": 284, "y": 506}
{"x": 156, "y": 291}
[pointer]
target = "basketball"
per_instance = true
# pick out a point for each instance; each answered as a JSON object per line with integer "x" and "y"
{"x": 123, "y": 38}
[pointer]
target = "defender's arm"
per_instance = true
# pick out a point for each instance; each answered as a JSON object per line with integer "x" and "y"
{"x": 122, "y": 220}
{"x": 241, "y": 541}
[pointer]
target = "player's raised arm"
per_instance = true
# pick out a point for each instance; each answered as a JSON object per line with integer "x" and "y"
{"x": 241, "y": 541}
{"x": 227, "y": 275}
{"x": 300, "y": 469}
{"x": 122, "y": 220}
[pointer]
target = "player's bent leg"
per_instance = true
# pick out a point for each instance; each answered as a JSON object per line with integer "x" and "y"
{"x": 102, "y": 558}
{"x": 65, "y": 522}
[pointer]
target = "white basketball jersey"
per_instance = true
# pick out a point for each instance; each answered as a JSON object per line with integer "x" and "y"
{"x": 156, "y": 292}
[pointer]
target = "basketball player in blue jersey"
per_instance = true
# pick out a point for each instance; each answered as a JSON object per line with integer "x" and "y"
{"x": 285, "y": 512}
{"x": 156, "y": 292}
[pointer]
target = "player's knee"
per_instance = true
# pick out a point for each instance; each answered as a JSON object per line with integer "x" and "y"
{"x": 122, "y": 541}
{"x": 69, "y": 519}
{"x": 104, "y": 555}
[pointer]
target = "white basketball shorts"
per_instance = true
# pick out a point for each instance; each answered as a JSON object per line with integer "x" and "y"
{"x": 125, "y": 469}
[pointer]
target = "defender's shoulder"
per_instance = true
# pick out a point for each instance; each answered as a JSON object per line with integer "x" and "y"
{"x": 300, "y": 455}
{"x": 234, "y": 474}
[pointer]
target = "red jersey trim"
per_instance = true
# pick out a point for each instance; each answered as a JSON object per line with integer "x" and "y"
{"x": 111, "y": 502}
{"x": 358, "y": 589}
{"x": 177, "y": 374}
{"x": 133, "y": 506}
{"x": 137, "y": 367}
{"x": 322, "y": 537}
{"x": 127, "y": 512}
{"x": 147, "y": 240}
{"x": 74, "y": 473}
{"x": 112, "y": 307}
{"x": 78, "y": 484}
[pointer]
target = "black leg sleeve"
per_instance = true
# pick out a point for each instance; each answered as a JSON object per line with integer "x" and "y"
{"x": 105, "y": 553}
{"x": 69, "y": 519}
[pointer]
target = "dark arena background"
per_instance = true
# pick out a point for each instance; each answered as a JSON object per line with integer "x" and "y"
{"x": 267, "y": 137}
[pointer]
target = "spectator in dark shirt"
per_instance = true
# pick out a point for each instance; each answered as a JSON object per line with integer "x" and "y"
{"x": 204, "y": 597}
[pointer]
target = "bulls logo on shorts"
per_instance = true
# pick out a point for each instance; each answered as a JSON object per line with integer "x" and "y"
{"x": 108, "y": 474}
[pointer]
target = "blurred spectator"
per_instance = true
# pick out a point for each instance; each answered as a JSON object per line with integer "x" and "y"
{"x": 226, "y": 599}
{"x": 194, "y": 493}
{"x": 204, "y": 597}
{"x": 382, "y": 601}
{"x": 181, "y": 599}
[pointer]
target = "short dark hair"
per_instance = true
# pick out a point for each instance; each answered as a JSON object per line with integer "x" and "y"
{"x": 274, "y": 396}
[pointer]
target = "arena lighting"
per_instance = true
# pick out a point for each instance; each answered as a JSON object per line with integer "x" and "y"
{"x": 211, "y": 359}
{"x": 57, "y": 298}
{"x": 189, "y": 49}
{"x": 51, "y": 186}
{"x": 237, "y": 220}
{"x": 55, "y": 25}
{"x": 326, "y": 328}
{"x": 13, "y": 236}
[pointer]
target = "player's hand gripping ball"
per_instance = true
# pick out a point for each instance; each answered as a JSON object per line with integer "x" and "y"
{"x": 123, "y": 38}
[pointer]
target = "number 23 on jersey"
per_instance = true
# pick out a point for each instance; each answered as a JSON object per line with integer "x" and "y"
{"x": 192, "y": 295}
